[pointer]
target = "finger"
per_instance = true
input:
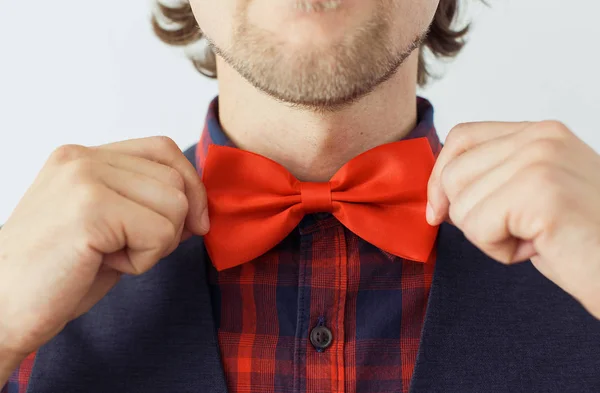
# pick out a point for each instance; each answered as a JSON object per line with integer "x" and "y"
{"x": 477, "y": 161}
{"x": 486, "y": 226}
{"x": 120, "y": 260}
{"x": 473, "y": 189}
{"x": 162, "y": 173}
{"x": 516, "y": 212}
{"x": 151, "y": 169}
{"x": 461, "y": 139}
{"x": 163, "y": 150}
{"x": 144, "y": 235}
{"x": 159, "y": 197}
{"x": 525, "y": 250}
{"x": 542, "y": 140}
{"x": 131, "y": 163}
{"x": 549, "y": 220}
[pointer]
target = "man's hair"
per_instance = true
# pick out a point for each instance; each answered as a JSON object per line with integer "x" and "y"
{"x": 176, "y": 25}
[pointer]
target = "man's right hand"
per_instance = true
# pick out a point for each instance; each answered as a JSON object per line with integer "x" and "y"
{"x": 90, "y": 215}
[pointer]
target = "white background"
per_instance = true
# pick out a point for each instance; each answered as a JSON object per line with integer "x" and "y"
{"x": 91, "y": 72}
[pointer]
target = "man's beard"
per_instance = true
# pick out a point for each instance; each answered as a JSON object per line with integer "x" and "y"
{"x": 319, "y": 79}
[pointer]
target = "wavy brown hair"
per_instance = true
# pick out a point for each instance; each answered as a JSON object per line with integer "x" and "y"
{"x": 444, "y": 40}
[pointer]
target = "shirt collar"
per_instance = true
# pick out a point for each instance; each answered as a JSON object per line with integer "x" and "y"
{"x": 213, "y": 133}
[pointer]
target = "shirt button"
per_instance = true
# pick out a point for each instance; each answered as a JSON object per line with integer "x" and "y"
{"x": 321, "y": 337}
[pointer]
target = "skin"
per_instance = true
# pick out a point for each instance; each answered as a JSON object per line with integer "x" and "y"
{"x": 282, "y": 110}
{"x": 524, "y": 191}
{"x": 91, "y": 215}
{"x": 94, "y": 213}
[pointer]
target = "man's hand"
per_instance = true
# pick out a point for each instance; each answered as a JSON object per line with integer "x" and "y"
{"x": 524, "y": 191}
{"x": 91, "y": 215}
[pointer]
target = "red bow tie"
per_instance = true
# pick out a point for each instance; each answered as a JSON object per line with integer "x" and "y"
{"x": 380, "y": 195}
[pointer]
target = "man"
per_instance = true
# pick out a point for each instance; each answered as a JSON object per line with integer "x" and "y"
{"x": 335, "y": 249}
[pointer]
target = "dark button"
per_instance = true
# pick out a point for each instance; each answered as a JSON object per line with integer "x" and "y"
{"x": 321, "y": 337}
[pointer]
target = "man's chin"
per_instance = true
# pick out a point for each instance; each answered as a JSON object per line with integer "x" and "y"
{"x": 320, "y": 73}
{"x": 314, "y": 88}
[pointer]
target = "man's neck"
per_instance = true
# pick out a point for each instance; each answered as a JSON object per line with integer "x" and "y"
{"x": 313, "y": 145}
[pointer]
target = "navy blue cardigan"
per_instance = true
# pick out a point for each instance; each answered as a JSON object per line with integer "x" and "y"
{"x": 488, "y": 328}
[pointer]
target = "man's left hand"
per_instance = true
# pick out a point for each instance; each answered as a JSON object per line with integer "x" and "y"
{"x": 522, "y": 191}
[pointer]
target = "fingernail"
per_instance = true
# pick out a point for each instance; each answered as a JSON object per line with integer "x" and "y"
{"x": 204, "y": 221}
{"x": 430, "y": 214}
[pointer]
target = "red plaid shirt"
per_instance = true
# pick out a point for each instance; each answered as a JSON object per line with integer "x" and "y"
{"x": 373, "y": 303}
{"x": 321, "y": 274}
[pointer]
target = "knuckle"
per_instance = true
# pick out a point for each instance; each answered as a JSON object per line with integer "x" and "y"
{"x": 79, "y": 169}
{"x": 505, "y": 258}
{"x": 469, "y": 228}
{"x": 449, "y": 181}
{"x": 541, "y": 175}
{"x": 165, "y": 236}
{"x": 455, "y": 216}
{"x": 165, "y": 143}
{"x": 486, "y": 241}
{"x": 158, "y": 243}
{"x": 89, "y": 197}
{"x": 181, "y": 203}
{"x": 139, "y": 268}
{"x": 555, "y": 128}
{"x": 458, "y": 135}
{"x": 474, "y": 233}
{"x": 84, "y": 207}
{"x": 545, "y": 181}
{"x": 446, "y": 175}
{"x": 67, "y": 153}
{"x": 175, "y": 179}
{"x": 545, "y": 149}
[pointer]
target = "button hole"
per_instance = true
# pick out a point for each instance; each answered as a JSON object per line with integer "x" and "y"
{"x": 321, "y": 321}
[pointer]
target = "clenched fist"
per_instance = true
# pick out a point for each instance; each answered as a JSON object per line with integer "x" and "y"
{"x": 523, "y": 191}
{"x": 90, "y": 215}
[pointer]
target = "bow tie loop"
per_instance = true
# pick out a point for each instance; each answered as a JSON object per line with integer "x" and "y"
{"x": 316, "y": 197}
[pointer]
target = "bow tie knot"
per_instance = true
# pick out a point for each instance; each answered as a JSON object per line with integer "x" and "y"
{"x": 316, "y": 197}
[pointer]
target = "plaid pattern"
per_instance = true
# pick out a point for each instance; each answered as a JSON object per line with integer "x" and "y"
{"x": 373, "y": 302}
{"x": 17, "y": 383}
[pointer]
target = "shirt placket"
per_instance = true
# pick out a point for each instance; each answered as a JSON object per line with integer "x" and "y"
{"x": 322, "y": 300}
